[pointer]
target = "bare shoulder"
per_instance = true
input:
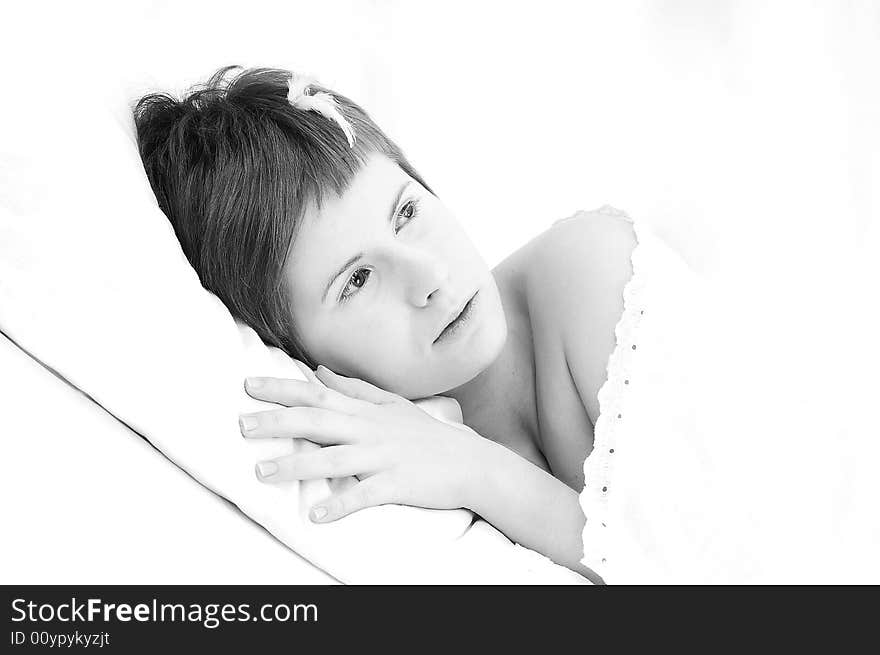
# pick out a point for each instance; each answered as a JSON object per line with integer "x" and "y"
{"x": 576, "y": 272}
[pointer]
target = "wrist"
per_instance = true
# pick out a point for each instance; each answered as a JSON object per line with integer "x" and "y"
{"x": 483, "y": 457}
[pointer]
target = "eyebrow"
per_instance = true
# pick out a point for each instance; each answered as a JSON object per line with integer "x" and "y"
{"x": 356, "y": 257}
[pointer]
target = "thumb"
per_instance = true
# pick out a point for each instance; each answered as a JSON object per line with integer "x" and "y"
{"x": 355, "y": 387}
{"x": 367, "y": 493}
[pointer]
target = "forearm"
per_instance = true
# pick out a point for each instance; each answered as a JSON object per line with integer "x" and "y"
{"x": 529, "y": 505}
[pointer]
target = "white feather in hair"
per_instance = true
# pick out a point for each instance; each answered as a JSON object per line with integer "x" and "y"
{"x": 321, "y": 102}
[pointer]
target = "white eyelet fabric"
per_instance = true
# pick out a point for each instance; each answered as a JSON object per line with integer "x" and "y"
{"x": 715, "y": 460}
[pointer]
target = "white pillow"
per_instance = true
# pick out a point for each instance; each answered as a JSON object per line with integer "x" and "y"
{"x": 94, "y": 284}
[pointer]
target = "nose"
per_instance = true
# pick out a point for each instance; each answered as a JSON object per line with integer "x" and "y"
{"x": 423, "y": 275}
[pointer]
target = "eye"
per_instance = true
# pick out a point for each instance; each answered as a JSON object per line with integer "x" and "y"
{"x": 357, "y": 280}
{"x": 408, "y": 211}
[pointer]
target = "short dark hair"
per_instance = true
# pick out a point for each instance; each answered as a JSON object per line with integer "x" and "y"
{"x": 233, "y": 166}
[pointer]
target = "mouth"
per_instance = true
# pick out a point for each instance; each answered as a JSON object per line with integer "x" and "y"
{"x": 458, "y": 321}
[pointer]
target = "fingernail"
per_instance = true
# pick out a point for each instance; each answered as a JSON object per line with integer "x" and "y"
{"x": 318, "y": 513}
{"x": 247, "y": 422}
{"x": 265, "y": 469}
{"x": 254, "y": 383}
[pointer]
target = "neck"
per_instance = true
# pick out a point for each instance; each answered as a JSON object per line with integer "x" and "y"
{"x": 503, "y": 395}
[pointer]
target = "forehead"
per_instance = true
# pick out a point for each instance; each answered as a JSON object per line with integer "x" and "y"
{"x": 342, "y": 227}
{"x": 371, "y": 182}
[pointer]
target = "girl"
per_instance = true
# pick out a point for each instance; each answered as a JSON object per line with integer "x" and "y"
{"x": 712, "y": 458}
{"x": 313, "y": 228}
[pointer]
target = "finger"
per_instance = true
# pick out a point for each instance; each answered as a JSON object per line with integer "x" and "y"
{"x": 299, "y": 393}
{"x": 355, "y": 387}
{"x": 331, "y": 462}
{"x": 368, "y": 493}
{"x": 322, "y": 426}
{"x": 306, "y": 371}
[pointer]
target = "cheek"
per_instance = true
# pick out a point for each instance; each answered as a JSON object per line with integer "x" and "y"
{"x": 462, "y": 250}
{"x": 360, "y": 343}
{"x": 444, "y": 233}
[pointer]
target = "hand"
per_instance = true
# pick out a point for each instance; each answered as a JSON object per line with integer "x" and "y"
{"x": 400, "y": 453}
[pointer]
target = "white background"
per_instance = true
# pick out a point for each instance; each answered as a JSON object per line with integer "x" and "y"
{"x": 741, "y": 120}
{"x": 732, "y": 127}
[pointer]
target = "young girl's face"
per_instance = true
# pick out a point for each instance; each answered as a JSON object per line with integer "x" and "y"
{"x": 376, "y": 276}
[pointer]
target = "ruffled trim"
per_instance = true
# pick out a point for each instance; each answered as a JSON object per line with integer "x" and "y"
{"x": 599, "y": 465}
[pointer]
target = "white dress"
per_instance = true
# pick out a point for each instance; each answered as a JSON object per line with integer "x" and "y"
{"x": 717, "y": 457}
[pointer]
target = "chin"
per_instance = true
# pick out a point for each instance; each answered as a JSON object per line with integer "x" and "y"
{"x": 473, "y": 361}
{"x": 442, "y": 377}
{"x": 458, "y": 366}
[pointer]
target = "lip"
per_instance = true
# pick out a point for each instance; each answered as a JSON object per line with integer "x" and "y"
{"x": 454, "y": 316}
